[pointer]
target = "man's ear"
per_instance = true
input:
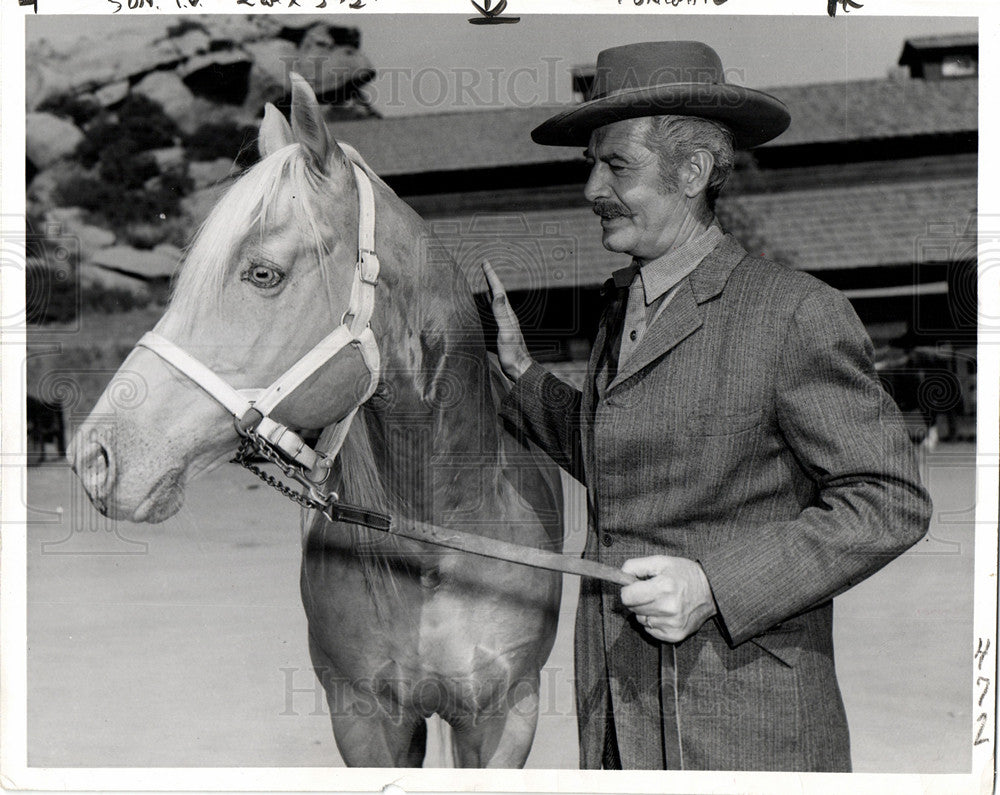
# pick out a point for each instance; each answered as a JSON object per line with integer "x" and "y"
{"x": 696, "y": 172}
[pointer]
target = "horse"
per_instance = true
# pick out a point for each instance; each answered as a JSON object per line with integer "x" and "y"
{"x": 399, "y": 630}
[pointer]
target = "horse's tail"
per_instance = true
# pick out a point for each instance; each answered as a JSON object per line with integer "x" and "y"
{"x": 440, "y": 743}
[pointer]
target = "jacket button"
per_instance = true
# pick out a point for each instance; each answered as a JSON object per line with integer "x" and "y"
{"x": 607, "y": 539}
{"x": 633, "y": 334}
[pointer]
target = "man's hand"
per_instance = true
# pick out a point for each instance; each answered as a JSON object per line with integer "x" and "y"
{"x": 514, "y": 356}
{"x": 672, "y": 598}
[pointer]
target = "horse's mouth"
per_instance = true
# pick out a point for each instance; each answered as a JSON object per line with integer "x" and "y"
{"x": 162, "y": 501}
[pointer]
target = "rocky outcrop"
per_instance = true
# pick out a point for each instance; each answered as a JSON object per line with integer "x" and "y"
{"x": 268, "y": 80}
{"x": 88, "y": 65}
{"x": 238, "y": 61}
{"x": 43, "y": 191}
{"x": 112, "y": 94}
{"x": 169, "y": 90}
{"x": 49, "y": 138}
{"x": 160, "y": 263}
{"x": 144, "y": 177}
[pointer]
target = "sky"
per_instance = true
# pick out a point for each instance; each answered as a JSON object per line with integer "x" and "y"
{"x": 435, "y": 63}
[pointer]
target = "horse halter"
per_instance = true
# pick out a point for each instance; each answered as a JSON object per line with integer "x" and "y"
{"x": 251, "y": 407}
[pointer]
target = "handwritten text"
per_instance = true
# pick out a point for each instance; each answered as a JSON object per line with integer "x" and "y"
{"x": 983, "y": 688}
{"x": 136, "y": 5}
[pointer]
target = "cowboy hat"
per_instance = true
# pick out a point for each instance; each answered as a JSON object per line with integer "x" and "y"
{"x": 654, "y": 78}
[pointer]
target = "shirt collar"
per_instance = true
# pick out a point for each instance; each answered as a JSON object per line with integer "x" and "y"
{"x": 666, "y": 271}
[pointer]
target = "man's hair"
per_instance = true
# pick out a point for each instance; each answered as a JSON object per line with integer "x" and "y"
{"x": 674, "y": 138}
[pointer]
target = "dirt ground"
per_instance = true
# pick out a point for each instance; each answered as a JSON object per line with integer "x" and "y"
{"x": 184, "y": 644}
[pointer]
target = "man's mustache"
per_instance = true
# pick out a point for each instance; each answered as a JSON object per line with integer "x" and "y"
{"x": 609, "y": 209}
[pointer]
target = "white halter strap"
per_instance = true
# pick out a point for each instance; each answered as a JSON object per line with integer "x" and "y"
{"x": 241, "y": 402}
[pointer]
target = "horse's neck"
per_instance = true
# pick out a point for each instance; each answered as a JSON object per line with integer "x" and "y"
{"x": 439, "y": 430}
{"x": 431, "y": 430}
{"x": 432, "y": 426}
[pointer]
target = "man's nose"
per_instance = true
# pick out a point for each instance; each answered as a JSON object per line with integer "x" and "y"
{"x": 596, "y": 187}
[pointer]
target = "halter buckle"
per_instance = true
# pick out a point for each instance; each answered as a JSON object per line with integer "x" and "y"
{"x": 368, "y": 266}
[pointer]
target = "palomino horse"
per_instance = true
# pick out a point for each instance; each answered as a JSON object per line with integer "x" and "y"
{"x": 398, "y": 630}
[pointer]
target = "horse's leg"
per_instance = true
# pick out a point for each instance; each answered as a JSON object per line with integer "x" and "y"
{"x": 367, "y": 734}
{"x": 502, "y": 737}
{"x": 373, "y": 738}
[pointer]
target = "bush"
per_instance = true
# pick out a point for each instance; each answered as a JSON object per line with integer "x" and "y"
{"x": 177, "y": 182}
{"x": 140, "y": 125}
{"x": 79, "y": 110}
{"x": 144, "y": 206}
{"x": 117, "y": 205}
{"x": 52, "y": 300}
{"x": 223, "y": 139}
{"x": 108, "y": 300}
{"x": 60, "y": 301}
{"x": 144, "y": 121}
{"x": 87, "y": 192}
{"x": 129, "y": 171}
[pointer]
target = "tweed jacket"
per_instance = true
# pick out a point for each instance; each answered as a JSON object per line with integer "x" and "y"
{"x": 747, "y": 431}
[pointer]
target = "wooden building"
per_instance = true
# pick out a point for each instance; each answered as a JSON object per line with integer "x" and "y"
{"x": 872, "y": 188}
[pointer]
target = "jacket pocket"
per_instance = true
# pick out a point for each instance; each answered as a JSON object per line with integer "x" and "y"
{"x": 782, "y": 643}
{"x": 719, "y": 423}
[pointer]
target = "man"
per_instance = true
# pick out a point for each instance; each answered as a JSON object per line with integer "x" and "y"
{"x": 739, "y": 454}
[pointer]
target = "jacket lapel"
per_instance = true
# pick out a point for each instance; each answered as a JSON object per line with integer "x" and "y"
{"x": 598, "y": 360}
{"x": 683, "y": 315}
{"x": 678, "y": 320}
{"x": 590, "y": 383}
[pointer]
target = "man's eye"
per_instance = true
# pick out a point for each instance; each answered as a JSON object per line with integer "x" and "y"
{"x": 263, "y": 276}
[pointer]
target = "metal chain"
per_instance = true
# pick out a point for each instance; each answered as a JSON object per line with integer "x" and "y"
{"x": 328, "y": 504}
{"x": 252, "y": 444}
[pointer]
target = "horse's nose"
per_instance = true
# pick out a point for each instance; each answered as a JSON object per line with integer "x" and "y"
{"x": 93, "y": 464}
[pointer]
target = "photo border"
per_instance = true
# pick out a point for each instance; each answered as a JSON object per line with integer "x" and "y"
{"x": 13, "y": 705}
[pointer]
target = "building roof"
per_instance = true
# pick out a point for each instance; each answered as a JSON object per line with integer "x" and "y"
{"x": 453, "y": 141}
{"x": 533, "y": 251}
{"x": 821, "y": 113}
{"x": 878, "y": 109}
{"x": 816, "y": 230}
{"x": 865, "y": 225}
{"x": 935, "y": 43}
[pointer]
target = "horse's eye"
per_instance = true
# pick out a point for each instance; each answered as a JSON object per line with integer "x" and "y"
{"x": 264, "y": 276}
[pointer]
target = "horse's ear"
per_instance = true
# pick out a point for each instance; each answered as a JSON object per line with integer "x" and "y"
{"x": 309, "y": 128}
{"x": 275, "y": 133}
